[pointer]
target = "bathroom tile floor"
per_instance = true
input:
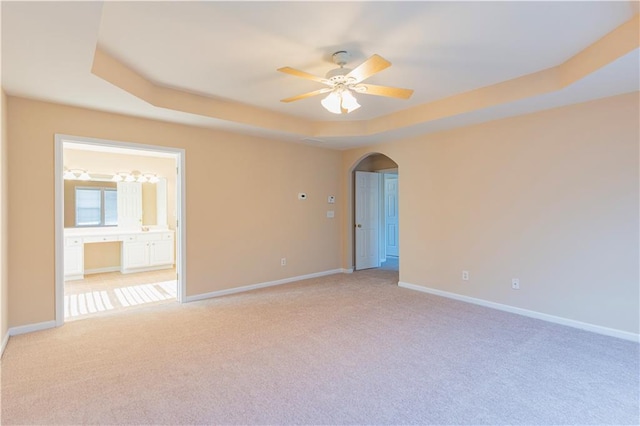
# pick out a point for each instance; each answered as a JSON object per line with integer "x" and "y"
{"x": 111, "y": 292}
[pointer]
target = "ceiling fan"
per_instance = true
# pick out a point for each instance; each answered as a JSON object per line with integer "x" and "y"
{"x": 342, "y": 81}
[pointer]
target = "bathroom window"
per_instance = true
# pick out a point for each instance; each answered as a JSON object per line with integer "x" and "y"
{"x": 96, "y": 206}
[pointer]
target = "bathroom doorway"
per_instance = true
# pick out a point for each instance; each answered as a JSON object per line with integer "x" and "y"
{"x": 119, "y": 227}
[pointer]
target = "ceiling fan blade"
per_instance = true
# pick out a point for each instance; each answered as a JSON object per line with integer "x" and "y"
{"x": 368, "y": 68}
{"x": 298, "y": 73}
{"x": 391, "y": 92}
{"x": 307, "y": 95}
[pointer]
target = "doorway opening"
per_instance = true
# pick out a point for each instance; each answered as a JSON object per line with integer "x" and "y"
{"x": 119, "y": 227}
{"x": 375, "y": 213}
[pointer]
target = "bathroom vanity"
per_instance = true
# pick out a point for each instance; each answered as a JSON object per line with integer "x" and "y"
{"x": 141, "y": 250}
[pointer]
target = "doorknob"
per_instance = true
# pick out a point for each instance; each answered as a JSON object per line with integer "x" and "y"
{"x": 359, "y": 225}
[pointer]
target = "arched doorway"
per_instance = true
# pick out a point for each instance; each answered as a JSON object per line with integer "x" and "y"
{"x": 375, "y": 219}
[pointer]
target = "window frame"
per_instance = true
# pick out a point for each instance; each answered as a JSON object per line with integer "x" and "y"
{"x": 103, "y": 190}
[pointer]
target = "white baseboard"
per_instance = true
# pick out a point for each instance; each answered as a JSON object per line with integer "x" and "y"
{"x": 347, "y": 270}
{"x": 3, "y": 345}
{"x": 148, "y": 269}
{"x": 14, "y": 331}
{"x": 260, "y": 285}
{"x": 102, "y": 270}
{"x": 527, "y": 313}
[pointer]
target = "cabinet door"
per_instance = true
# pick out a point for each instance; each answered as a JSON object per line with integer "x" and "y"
{"x": 135, "y": 254}
{"x": 73, "y": 260}
{"x": 161, "y": 252}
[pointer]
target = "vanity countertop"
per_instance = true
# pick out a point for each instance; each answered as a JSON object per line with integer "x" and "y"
{"x": 108, "y": 231}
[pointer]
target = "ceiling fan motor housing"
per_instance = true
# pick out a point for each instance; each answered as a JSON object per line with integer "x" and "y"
{"x": 338, "y": 75}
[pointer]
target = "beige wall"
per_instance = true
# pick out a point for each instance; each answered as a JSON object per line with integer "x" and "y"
{"x": 4, "y": 235}
{"x": 242, "y": 212}
{"x": 101, "y": 255}
{"x": 150, "y": 207}
{"x": 550, "y": 198}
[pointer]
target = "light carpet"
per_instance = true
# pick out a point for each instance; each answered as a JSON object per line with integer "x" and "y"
{"x": 342, "y": 349}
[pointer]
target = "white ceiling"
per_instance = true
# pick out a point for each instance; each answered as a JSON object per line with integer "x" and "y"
{"x": 231, "y": 50}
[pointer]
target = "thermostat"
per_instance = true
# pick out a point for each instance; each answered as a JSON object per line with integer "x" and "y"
{"x": 331, "y": 199}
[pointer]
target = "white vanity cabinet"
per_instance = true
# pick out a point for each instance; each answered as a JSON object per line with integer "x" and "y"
{"x": 161, "y": 252}
{"x": 141, "y": 250}
{"x": 148, "y": 251}
{"x": 73, "y": 258}
{"x": 135, "y": 254}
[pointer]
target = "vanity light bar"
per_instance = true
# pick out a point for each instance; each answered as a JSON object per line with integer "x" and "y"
{"x": 76, "y": 174}
{"x": 135, "y": 177}
{"x": 80, "y": 174}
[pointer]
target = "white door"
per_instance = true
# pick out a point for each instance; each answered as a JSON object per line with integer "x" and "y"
{"x": 129, "y": 204}
{"x": 366, "y": 220}
{"x": 391, "y": 214}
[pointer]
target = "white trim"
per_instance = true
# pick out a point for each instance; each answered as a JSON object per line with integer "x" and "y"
{"x": 3, "y": 345}
{"x": 527, "y": 313}
{"x": 59, "y": 232}
{"x": 177, "y": 153}
{"x": 181, "y": 228}
{"x": 102, "y": 270}
{"x": 147, "y": 269}
{"x": 29, "y": 328}
{"x": 260, "y": 285}
{"x": 347, "y": 270}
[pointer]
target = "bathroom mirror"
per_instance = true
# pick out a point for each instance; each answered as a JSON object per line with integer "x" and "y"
{"x": 92, "y": 203}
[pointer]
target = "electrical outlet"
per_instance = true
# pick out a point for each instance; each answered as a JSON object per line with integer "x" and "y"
{"x": 465, "y": 275}
{"x": 283, "y": 261}
{"x": 515, "y": 283}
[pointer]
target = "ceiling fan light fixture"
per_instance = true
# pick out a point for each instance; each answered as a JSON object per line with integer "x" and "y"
{"x": 349, "y": 102}
{"x": 340, "y": 101}
{"x": 332, "y": 103}
{"x": 342, "y": 81}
